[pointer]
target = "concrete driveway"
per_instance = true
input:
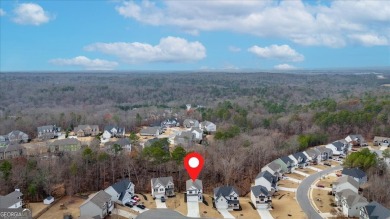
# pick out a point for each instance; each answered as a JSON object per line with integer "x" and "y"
{"x": 293, "y": 179}
{"x": 314, "y": 168}
{"x": 286, "y": 189}
{"x": 301, "y": 173}
{"x": 139, "y": 210}
{"x": 124, "y": 213}
{"x": 225, "y": 213}
{"x": 160, "y": 204}
{"x": 193, "y": 209}
{"x": 264, "y": 214}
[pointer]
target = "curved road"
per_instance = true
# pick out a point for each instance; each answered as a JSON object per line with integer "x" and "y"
{"x": 303, "y": 192}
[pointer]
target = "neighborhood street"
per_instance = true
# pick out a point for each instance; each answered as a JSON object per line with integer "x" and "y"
{"x": 303, "y": 192}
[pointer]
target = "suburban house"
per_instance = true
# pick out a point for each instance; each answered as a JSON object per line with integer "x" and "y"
{"x": 185, "y": 139}
{"x": 198, "y": 134}
{"x": 17, "y": 137}
{"x": 151, "y": 131}
{"x": 115, "y": 131}
{"x": 267, "y": 180}
{"x": 226, "y": 197}
{"x": 302, "y": 159}
{"x": 194, "y": 190}
{"x": 65, "y": 145}
{"x": 162, "y": 186}
{"x": 260, "y": 197}
{"x": 355, "y": 140}
{"x": 338, "y": 196}
{"x": 286, "y": 164}
{"x": 98, "y": 204}
{"x": 357, "y": 174}
{"x": 86, "y": 130}
{"x": 314, "y": 154}
{"x": 189, "y": 123}
{"x": 48, "y": 132}
{"x": 325, "y": 153}
{"x": 381, "y": 141}
{"x": 168, "y": 123}
{"x": 163, "y": 141}
{"x": 208, "y": 126}
{"x": 12, "y": 200}
{"x": 274, "y": 168}
{"x": 121, "y": 192}
{"x": 374, "y": 210}
{"x": 351, "y": 204}
{"x": 345, "y": 182}
{"x": 11, "y": 151}
{"x": 337, "y": 147}
{"x": 124, "y": 143}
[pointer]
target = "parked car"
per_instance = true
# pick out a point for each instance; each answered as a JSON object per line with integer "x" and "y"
{"x": 135, "y": 197}
{"x": 320, "y": 186}
{"x": 128, "y": 204}
{"x": 132, "y": 201}
{"x": 141, "y": 206}
{"x": 162, "y": 199}
{"x": 327, "y": 164}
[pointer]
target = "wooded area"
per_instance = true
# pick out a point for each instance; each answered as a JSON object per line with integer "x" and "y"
{"x": 260, "y": 116}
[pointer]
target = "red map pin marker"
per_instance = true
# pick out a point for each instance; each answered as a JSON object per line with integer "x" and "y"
{"x": 193, "y": 163}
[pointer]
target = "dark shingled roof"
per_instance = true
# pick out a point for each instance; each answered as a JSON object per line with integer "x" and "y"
{"x": 354, "y": 172}
{"x": 121, "y": 187}
{"x": 259, "y": 190}
{"x": 339, "y": 145}
{"x": 224, "y": 191}
{"x": 377, "y": 211}
{"x": 286, "y": 159}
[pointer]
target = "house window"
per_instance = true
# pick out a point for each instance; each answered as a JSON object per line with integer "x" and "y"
{"x": 262, "y": 199}
{"x": 161, "y": 190}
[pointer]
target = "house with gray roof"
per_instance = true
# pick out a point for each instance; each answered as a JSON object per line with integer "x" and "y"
{"x": 303, "y": 160}
{"x": 345, "y": 182}
{"x": 98, "y": 204}
{"x": 351, "y": 203}
{"x": 267, "y": 180}
{"x": 337, "y": 147}
{"x": 48, "y": 132}
{"x": 17, "y": 137}
{"x": 226, "y": 197}
{"x": 124, "y": 144}
{"x": 121, "y": 192}
{"x": 162, "y": 187}
{"x": 198, "y": 134}
{"x": 374, "y": 210}
{"x": 287, "y": 165}
{"x": 314, "y": 154}
{"x": 189, "y": 123}
{"x": 86, "y": 130}
{"x": 381, "y": 141}
{"x": 12, "y": 200}
{"x": 356, "y": 140}
{"x": 168, "y": 123}
{"x": 185, "y": 139}
{"x": 325, "y": 153}
{"x": 151, "y": 131}
{"x": 208, "y": 127}
{"x": 194, "y": 190}
{"x": 115, "y": 131}
{"x": 65, "y": 145}
{"x": 357, "y": 174}
{"x": 11, "y": 151}
{"x": 260, "y": 197}
{"x": 274, "y": 168}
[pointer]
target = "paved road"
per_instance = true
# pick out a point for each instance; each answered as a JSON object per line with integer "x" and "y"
{"x": 303, "y": 192}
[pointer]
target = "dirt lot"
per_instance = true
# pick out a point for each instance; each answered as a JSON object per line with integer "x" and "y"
{"x": 208, "y": 211}
{"x": 327, "y": 181}
{"x": 177, "y": 203}
{"x": 72, "y": 205}
{"x": 247, "y": 211}
{"x": 287, "y": 183}
{"x": 319, "y": 166}
{"x": 308, "y": 171}
{"x": 295, "y": 176}
{"x": 36, "y": 208}
{"x": 286, "y": 205}
{"x": 150, "y": 203}
{"x": 322, "y": 200}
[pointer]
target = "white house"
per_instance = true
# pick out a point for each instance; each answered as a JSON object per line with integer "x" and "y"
{"x": 106, "y": 136}
{"x": 294, "y": 160}
{"x": 162, "y": 186}
{"x": 48, "y": 200}
{"x": 194, "y": 190}
{"x": 267, "y": 180}
{"x": 355, "y": 140}
{"x": 97, "y": 205}
{"x": 151, "y": 131}
{"x": 12, "y": 200}
{"x": 374, "y": 210}
{"x": 359, "y": 175}
{"x": 352, "y": 203}
{"x": 260, "y": 197}
{"x": 345, "y": 182}
{"x": 189, "y": 123}
{"x": 121, "y": 192}
{"x": 226, "y": 197}
{"x": 337, "y": 147}
{"x": 274, "y": 168}
{"x": 198, "y": 134}
{"x": 208, "y": 126}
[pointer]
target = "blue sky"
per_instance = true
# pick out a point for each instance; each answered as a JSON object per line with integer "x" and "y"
{"x": 193, "y": 35}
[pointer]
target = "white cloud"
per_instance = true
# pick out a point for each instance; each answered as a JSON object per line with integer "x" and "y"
{"x": 284, "y": 67}
{"x": 169, "y": 49}
{"x": 89, "y": 64}
{"x": 302, "y": 23}
{"x": 2, "y": 12}
{"x": 282, "y": 52}
{"x": 234, "y": 49}
{"x": 30, "y": 14}
{"x": 370, "y": 39}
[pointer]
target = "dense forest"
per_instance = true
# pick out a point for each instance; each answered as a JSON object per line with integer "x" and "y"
{"x": 260, "y": 116}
